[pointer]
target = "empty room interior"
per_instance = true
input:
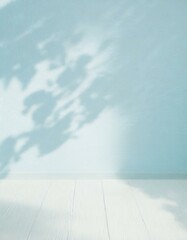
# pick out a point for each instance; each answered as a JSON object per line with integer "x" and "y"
{"x": 93, "y": 120}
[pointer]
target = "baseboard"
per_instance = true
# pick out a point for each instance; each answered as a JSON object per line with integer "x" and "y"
{"x": 93, "y": 176}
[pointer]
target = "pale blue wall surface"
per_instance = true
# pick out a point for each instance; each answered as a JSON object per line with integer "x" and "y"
{"x": 93, "y": 86}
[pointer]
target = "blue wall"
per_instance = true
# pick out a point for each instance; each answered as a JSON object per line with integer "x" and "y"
{"x": 93, "y": 87}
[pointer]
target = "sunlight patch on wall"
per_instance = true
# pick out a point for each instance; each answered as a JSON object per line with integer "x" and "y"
{"x": 93, "y": 149}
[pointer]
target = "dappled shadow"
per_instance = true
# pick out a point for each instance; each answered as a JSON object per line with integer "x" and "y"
{"x": 61, "y": 63}
{"x": 64, "y": 64}
{"x": 169, "y": 194}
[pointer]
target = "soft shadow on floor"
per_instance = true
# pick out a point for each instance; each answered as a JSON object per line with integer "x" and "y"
{"x": 20, "y": 221}
{"x": 171, "y": 193}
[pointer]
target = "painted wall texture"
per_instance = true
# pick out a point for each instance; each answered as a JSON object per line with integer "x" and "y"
{"x": 93, "y": 86}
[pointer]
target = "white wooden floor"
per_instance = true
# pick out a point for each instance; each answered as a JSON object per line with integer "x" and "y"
{"x": 93, "y": 210}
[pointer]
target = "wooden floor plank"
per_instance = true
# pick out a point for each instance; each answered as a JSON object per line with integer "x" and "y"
{"x": 163, "y": 204}
{"x": 19, "y": 203}
{"x": 54, "y": 219}
{"x": 124, "y": 219}
{"x": 90, "y": 210}
{"x": 89, "y": 217}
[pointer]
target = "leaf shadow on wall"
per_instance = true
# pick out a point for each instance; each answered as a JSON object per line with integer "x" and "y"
{"x": 61, "y": 66}
{"x": 71, "y": 66}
